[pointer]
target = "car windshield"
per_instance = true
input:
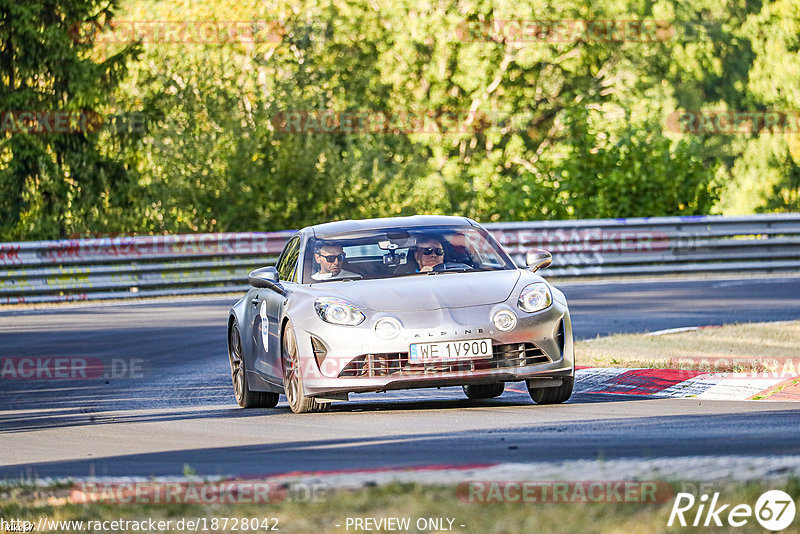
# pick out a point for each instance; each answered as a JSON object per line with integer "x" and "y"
{"x": 394, "y": 252}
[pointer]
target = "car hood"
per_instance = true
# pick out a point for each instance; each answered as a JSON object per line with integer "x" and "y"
{"x": 426, "y": 292}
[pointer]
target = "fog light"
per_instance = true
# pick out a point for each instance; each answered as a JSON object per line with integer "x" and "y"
{"x": 388, "y": 328}
{"x": 504, "y": 320}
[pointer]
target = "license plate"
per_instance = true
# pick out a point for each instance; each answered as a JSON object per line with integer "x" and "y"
{"x": 445, "y": 351}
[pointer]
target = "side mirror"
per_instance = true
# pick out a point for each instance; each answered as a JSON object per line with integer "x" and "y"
{"x": 538, "y": 259}
{"x": 265, "y": 277}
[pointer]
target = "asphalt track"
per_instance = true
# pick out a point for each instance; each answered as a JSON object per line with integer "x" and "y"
{"x": 177, "y": 409}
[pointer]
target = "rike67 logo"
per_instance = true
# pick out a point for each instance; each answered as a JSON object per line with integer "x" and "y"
{"x": 774, "y": 510}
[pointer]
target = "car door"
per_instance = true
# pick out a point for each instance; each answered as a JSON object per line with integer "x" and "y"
{"x": 266, "y": 321}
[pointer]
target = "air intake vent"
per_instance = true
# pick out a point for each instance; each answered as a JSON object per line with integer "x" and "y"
{"x": 396, "y": 363}
{"x": 319, "y": 351}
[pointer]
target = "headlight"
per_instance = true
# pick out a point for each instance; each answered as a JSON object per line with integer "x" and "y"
{"x": 504, "y": 320}
{"x": 338, "y": 311}
{"x": 535, "y": 297}
{"x": 388, "y": 328}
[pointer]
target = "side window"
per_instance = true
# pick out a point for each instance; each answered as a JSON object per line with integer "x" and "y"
{"x": 288, "y": 261}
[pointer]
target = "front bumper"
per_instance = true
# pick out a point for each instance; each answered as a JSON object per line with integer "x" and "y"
{"x": 343, "y": 345}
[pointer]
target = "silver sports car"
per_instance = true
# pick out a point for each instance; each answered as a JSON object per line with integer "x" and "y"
{"x": 398, "y": 303}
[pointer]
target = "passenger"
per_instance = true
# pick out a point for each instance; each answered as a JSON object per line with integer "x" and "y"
{"x": 428, "y": 253}
{"x": 329, "y": 258}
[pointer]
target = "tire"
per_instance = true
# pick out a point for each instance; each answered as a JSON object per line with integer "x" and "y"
{"x": 293, "y": 379}
{"x": 555, "y": 395}
{"x": 241, "y": 390}
{"x": 484, "y": 391}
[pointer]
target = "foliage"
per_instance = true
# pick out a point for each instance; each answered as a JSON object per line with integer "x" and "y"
{"x": 637, "y": 172}
{"x": 547, "y": 128}
{"x": 53, "y": 183}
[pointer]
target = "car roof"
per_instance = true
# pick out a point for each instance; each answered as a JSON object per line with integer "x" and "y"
{"x": 343, "y": 227}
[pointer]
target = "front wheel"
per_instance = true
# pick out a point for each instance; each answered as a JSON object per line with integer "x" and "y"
{"x": 555, "y": 395}
{"x": 241, "y": 390}
{"x": 293, "y": 379}
{"x": 484, "y": 391}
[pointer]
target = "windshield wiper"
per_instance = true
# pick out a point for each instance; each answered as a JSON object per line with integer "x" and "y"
{"x": 341, "y": 278}
{"x": 454, "y": 267}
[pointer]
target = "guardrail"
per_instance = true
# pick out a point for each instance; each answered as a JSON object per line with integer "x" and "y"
{"x": 119, "y": 267}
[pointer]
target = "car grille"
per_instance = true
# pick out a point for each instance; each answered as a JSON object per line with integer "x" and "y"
{"x": 505, "y": 356}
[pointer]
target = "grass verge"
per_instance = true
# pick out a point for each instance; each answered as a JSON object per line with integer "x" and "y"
{"x": 413, "y": 501}
{"x": 748, "y": 347}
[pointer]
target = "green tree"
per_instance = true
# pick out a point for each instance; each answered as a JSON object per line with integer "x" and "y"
{"x": 549, "y": 127}
{"x": 212, "y": 158}
{"x": 773, "y": 82}
{"x": 55, "y": 184}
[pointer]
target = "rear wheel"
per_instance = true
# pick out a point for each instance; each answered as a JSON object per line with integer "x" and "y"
{"x": 484, "y": 391}
{"x": 555, "y": 395}
{"x": 244, "y": 397}
{"x": 293, "y": 379}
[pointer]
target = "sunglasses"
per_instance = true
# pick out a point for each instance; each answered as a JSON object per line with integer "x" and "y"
{"x": 333, "y": 257}
{"x": 430, "y": 251}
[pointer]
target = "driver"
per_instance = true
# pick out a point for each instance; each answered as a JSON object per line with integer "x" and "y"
{"x": 429, "y": 253}
{"x": 329, "y": 258}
